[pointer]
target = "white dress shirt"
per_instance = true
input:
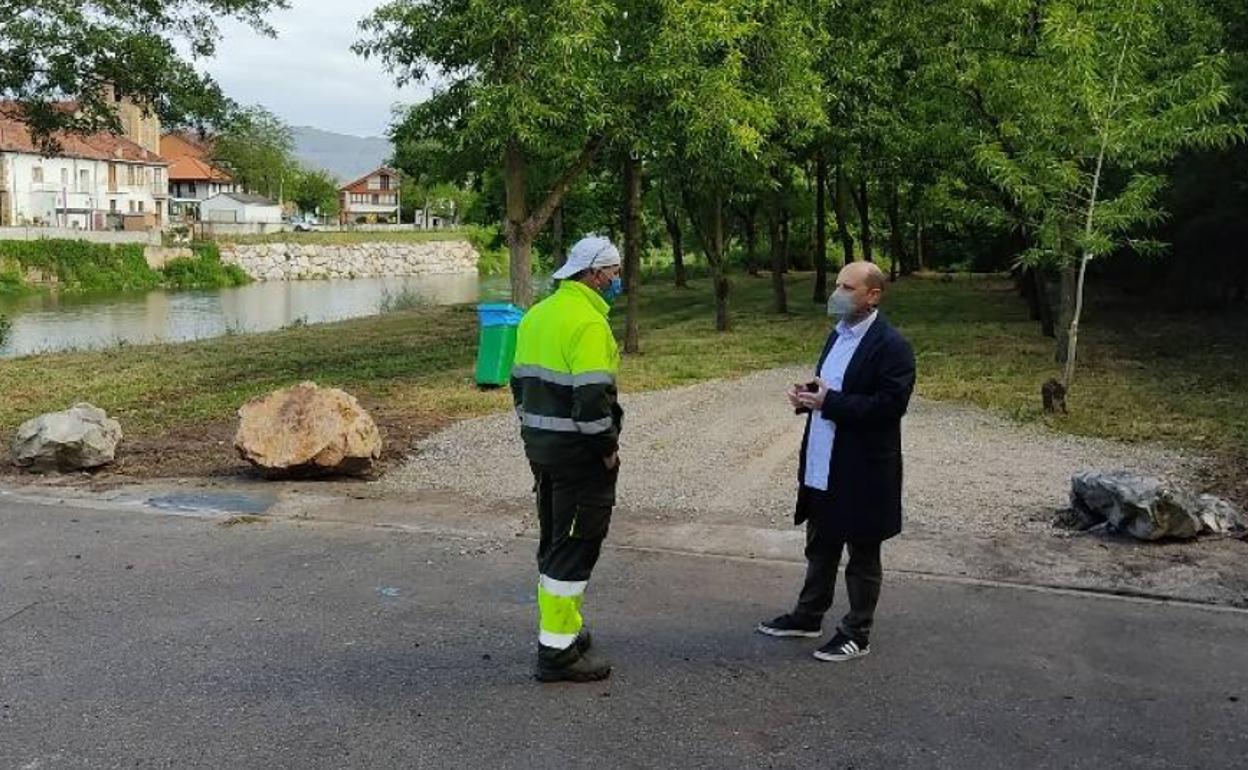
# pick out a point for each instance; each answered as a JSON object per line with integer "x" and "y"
{"x": 822, "y": 431}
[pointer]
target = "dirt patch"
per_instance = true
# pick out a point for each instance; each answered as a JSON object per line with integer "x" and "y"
{"x": 207, "y": 451}
{"x": 1227, "y": 475}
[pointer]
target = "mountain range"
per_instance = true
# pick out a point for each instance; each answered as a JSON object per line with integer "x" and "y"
{"x": 346, "y": 157}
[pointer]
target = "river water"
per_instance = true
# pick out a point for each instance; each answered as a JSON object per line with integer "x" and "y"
{"x": 48, "y": 322}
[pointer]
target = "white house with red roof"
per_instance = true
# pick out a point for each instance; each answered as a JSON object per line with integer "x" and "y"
{"x": 94, "y": 182}
{"x": 371, "y": 199}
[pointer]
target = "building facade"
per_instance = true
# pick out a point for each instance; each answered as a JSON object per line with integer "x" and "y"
{"x": 94, "y": 182}
{"x": 371, "y": 199}
{"x": 236, "y": 208}
{"x": 193, "y": 178}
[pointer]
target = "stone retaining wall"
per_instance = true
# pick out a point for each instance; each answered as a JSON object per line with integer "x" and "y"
{"x": 294, "y": 262}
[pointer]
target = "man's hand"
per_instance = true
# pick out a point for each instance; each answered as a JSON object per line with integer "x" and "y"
{"x": 612, "y": 461}
{"x": 792, "y": 394}
{"x": 813, "y": 401}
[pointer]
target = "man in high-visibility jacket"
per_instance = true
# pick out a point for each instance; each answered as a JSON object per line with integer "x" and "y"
{"x": 563, "y": 382}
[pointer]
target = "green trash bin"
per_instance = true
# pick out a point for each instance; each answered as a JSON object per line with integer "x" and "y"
{"x": 497, "y": 347}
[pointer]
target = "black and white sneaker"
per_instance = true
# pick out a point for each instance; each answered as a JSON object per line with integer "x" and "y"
{"x": 841, "y": 649}
{"x": 790, "y": 626}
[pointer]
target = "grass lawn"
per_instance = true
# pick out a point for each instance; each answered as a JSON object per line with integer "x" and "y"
{"x": 329, "y": 238}
{"x": 1175, "y": 379}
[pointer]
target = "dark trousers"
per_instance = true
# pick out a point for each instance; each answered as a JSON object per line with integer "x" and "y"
{"x": 863, "y": 576}
{"x": 574, "y": 512}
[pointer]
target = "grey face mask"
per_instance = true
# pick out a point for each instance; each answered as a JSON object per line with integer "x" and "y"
{"x": 841, "y": 304}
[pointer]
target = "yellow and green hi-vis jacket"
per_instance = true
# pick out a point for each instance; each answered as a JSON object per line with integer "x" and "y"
{"x": 563, "y": 379}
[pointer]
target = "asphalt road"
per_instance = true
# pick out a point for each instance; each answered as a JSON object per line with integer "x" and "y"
{"x": 144, "y": 640}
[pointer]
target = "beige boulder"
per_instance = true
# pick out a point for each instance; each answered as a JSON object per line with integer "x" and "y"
{"x": 307, "y": 430}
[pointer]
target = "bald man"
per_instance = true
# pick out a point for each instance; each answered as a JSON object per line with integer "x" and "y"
{"x": 849, "y": 492}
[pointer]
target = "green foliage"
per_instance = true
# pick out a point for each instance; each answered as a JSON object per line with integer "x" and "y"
{"x": 55, "y": 51}
{"x": 10, "y": 276}
{"x": 403, "y": 299}
{"x": 1084, "y": 106}
{"x": 314, "y": 192}
{"x": 510, "y": 71}
{"x": 492, "y": 247}
{"x": 80, "y": 266}
{"x": 203, "y": 271}
{"x": 258, "y": 149}
{"x": 83, "y": 266}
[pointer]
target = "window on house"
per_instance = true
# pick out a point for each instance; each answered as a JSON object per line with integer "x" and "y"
{"x": 385, "y": 183}
{"x": 64, "y": 176}
{"x": 191, "y": 187}
{"x": 36, "y": 175}
{"x": 131, "y": 207}
{"x": 376, "y": 199}
{"x": 84, "y": 180}
{"x": 112, "y": 205}
{"x": 140, "y": 207}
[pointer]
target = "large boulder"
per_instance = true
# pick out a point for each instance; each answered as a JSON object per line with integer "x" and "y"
{"x": 1148, "y": 508}
{"x": 307, "y": 431}
{"x": 79, "y": 438}
{"x": 1220, "y": 517}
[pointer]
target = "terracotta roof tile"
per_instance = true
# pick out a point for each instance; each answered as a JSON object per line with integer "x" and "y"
{"x": 15, "y": 136}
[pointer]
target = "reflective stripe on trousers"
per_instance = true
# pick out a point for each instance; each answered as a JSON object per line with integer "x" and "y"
{"x": 559, "y": 611}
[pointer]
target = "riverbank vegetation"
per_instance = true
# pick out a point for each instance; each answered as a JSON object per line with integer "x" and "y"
{"x": 80, "y": 266}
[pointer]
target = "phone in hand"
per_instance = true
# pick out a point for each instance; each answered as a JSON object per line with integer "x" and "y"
{"x": 810, "y": 387}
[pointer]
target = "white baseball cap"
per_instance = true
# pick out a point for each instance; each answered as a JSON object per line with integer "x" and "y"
{"x": 592, "y": 251}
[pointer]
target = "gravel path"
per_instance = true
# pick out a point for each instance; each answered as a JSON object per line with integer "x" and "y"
{"x": 726, "y": 451}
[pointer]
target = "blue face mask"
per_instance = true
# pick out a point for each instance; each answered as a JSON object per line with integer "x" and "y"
{"x": 612, "y": 290}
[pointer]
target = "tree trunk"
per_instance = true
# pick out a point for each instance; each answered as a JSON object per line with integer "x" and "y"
{"x": 671, "y": 218}
{"x": 519, "y": 239}
{"x": 863, "y": 200}
{"x": 751, "y": 240}
{"x": 632, "y": 252}
{"x": 1043, "y": 303}
{"x": 775, "y": 235}
{"x": 896, "y": 236}
{"x": 918, "y": 245}
{"x": 710, "y": 232}
{"x": 520, "y": 225}
{"x": 1066, "y": 309}
{"x": 840, "y": 205}
{"x": 785, "y": 255}
{"x": 821, "y": 229}
{"x": 556, "y": 236}
{"x": 716, "y": 257}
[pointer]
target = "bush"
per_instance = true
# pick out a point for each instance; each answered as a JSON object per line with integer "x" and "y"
{"x": 11, "y": 278}
{"x": 490, "y": 244}
{"x": 403, "y": 299}
{"x": 203, "y": 271}
{"x": 83, "y": 266}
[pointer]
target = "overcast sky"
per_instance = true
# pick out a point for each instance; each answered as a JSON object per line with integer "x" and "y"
{"x": 308, "y": 75}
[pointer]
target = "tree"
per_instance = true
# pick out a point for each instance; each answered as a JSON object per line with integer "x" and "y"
{"x": 54, "y": 51}
{"x": 258, "y": 149}
{"x": 519, "y": 81}
{"x": 314, "y": 191}
{"x": 735, "y": 74}
{"x": 1107, "y": 94}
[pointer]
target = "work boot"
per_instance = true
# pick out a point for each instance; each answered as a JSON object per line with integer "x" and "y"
{"x": 583, "y": 641}
{"x": 570, "y": 665}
